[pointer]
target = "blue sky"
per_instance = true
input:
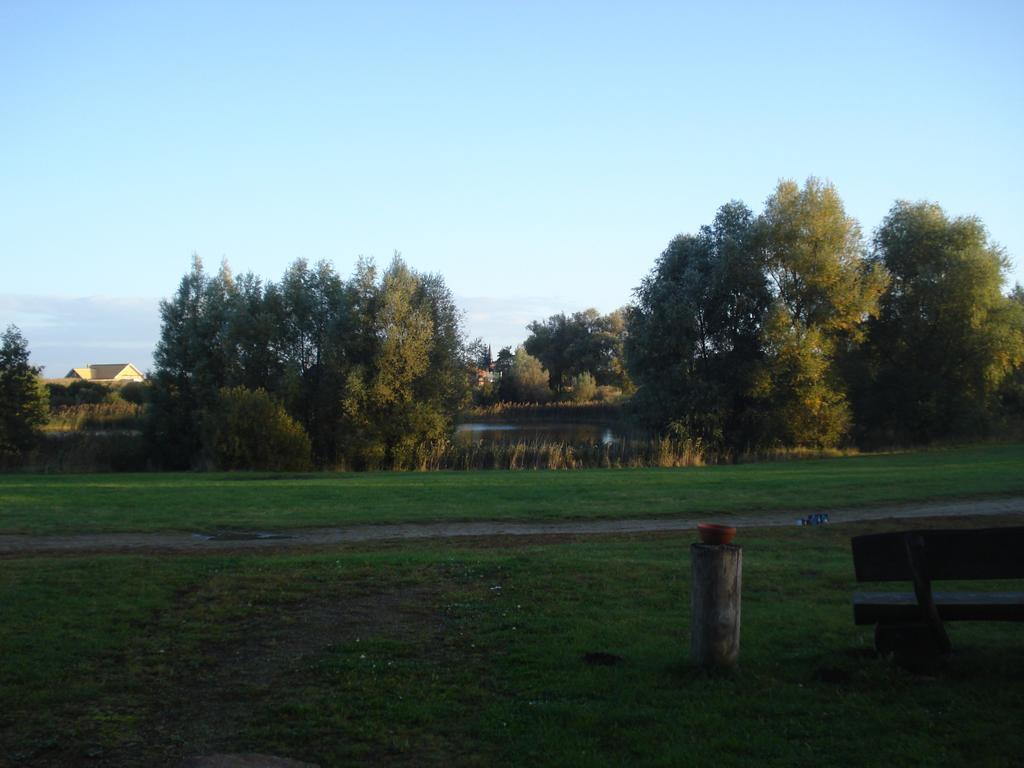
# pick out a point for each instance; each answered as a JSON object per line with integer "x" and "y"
{"x": 538, "y": 155}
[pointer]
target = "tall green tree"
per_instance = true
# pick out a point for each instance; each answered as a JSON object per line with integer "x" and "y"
{"x": 182, "y": 383}
{"x": 823, "y": 292}
{"x": 405, "y": 394}
{"x": 256, "y": 331}
{"x": 313, "y": 308}
{"x": 694, "y": 340}
{"x": 1011, "y": 390}
{"x": 23, "y": 399}
{"x": 503, "y": 361}
{"x": 946, "y": 336}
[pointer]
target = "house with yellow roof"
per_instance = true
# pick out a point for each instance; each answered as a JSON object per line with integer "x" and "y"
{"x": 107, "y": 373}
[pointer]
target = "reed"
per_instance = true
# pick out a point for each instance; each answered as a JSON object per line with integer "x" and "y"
{"x": 124, "y": 450}
{"x": 117, "y": 415}
{"x": 558, "y": 455}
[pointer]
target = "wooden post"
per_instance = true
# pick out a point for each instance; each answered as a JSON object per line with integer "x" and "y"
{"x": 716, "y": 571}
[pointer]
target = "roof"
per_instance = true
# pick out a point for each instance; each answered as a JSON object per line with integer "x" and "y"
{"x": 106, "y": 372}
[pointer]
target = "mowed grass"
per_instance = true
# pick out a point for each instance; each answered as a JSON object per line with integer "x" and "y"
{"x": 203, "y": 501}
{"x": 434, "y": 653}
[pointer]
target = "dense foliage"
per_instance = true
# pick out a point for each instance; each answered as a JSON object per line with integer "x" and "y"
{"x": 693, "y": 346}
{"x": 23, "y": 405}
{"x": 584, "y": 342}
{"x": 946, "y": 339}
{"x": 782, "y": 329}
{"x": 372, "y": 368}
{"x": 249, "y": 430}
{"x": 779, "y": 331}
{"x": 525, "y": 380}
{"x": 87, "y": 405}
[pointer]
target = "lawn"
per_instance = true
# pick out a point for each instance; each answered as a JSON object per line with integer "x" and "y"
{"x": 450, "y": 654}
{"x": 199, "y": 501}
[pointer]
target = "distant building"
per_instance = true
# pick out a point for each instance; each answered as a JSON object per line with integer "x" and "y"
{"x": 485, "y": 377}
{"x": 107, "y": 373}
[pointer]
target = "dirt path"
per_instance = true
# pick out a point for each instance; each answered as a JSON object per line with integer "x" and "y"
{"x": 205, "y": 541}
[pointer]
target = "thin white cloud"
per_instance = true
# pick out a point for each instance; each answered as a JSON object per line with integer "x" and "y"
{"x": 66, "y": 332}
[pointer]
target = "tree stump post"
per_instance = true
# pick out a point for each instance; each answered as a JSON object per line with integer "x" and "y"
{"x": 715, "y": 583}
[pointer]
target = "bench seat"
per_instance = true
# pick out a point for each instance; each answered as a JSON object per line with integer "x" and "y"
{"x": 900, "y": 607}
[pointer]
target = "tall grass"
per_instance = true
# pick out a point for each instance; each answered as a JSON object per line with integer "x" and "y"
{"x": 553, "y": 454}
{"x": 85, "y": 451}
{"x": 117, "y": 415}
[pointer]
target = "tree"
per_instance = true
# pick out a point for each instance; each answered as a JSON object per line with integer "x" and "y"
{"x": 549, "y": 342}
{"x": 23, "y": 400}
{"x": 1011, "y": 391}
{"x": 183, "y": 386}
{"x": 824, "y": 291}
{"x": 526, "y": 380}
{"x": 694, "y": 333}
{"x": 404, "y": 396}
{"x": 946, "y": 337}
{"x": 312, "y": 305}
{"x": 503, "y": 362}
{"x": 612, "y": 371}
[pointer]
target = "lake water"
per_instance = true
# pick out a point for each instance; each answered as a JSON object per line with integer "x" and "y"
{"x": 551, "y": 431}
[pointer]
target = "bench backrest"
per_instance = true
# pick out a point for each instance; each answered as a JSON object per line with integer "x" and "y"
{"x": 986, "y": 553}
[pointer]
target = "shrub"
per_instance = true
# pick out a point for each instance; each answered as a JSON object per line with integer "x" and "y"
{"x": 584, "y": 388}
{"x": 81, "y": 392}
{"x": 250, "y": 430}
{"x": 136, "y": 392}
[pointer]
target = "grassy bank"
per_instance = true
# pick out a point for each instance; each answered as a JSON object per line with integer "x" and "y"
{"x": 194, "y": 501}
{"x": 440, "y": 654}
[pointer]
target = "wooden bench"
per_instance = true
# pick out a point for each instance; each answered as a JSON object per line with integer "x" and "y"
{"x": 914, "y": 621}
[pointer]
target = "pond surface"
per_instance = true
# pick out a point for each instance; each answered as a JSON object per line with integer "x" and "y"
{"x": 552, "y": 431}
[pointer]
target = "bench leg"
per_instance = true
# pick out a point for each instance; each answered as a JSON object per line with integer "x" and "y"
{"x": 911, "y": 645}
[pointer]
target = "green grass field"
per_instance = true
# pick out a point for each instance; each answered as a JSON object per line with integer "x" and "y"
{"x": 194, "y": 501}
{"x": 434, "y": 653}
{"x": 474, "y": 653}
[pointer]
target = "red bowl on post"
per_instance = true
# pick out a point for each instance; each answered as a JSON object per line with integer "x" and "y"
{"x": 715, "y": 534}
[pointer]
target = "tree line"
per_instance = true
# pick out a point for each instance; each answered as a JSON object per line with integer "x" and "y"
{"x": 788, "y": 328}
{"x": 785, "y": 328}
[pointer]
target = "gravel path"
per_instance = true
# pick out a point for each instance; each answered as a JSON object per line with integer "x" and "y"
{"x": 205, "y": 541}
